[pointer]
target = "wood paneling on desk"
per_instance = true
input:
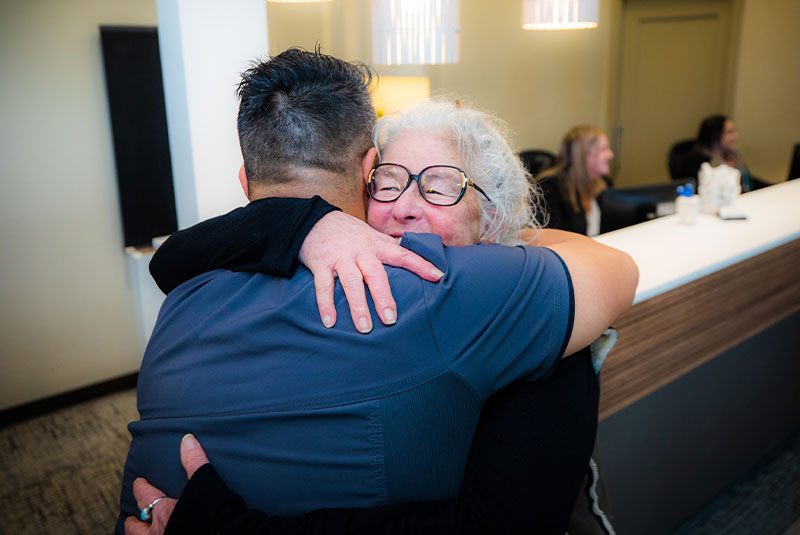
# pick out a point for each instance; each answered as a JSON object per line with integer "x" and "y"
{"x": 703, "y": 289}
{"x": 670, "y": 334}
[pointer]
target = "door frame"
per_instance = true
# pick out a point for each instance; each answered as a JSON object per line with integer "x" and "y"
{"x": 614, "y": 128}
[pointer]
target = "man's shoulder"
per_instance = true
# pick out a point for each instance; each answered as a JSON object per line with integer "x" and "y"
{"x": 481, "y": 256}
{"x": 223, "y": 287}
{"x": 483, "y": 277}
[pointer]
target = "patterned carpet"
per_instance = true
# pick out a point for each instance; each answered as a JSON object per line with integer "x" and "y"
{"x": 763, "y": 501}
{"x": 62, "y": 473}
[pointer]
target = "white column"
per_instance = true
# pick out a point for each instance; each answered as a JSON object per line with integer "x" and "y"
{"x": 205, "y": 45}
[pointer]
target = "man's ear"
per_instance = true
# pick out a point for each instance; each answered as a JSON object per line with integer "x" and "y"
{"x": 243, "y": 181}
{"x": 369, "y": 161}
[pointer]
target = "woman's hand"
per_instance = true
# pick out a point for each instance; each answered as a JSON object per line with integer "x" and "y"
{"x": 192, "y": 458}
{"x": 342, "y": 246}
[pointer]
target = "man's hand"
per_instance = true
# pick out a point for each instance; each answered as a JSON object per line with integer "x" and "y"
{"x": 192, "y": 458}
{"x": 341, "y": 246}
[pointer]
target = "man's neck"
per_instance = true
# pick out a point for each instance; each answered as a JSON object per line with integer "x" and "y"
{"x": 351, "y": 203}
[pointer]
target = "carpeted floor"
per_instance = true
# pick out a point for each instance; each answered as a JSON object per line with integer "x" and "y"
{"x": 62, "y": 471}
{"x": 763, "y": 501}
{"x": 61, "y": 475}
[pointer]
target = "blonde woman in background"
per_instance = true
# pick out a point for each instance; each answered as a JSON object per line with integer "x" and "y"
{"x": 572, "y": 185}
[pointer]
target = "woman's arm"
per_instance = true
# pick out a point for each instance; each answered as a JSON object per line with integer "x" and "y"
{"x": 264, "y": 236}
{"x": 267, "y": 235}
{"x": 604, "y": 281}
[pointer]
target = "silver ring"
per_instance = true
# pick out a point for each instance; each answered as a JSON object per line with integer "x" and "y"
{"x": 145, "y": 514}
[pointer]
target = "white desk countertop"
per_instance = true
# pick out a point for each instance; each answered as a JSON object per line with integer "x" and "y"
{"x": 670, "y": 254}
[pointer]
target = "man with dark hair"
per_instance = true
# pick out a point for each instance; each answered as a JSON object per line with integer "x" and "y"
{"x": 302, "y": 115}
{"x": 298, "y": 417}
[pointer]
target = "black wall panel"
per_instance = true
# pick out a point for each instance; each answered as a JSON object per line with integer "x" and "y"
{"x": 139, "y": 126}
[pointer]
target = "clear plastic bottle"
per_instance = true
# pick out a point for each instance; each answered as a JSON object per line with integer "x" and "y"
{"x": 687, "y": 205}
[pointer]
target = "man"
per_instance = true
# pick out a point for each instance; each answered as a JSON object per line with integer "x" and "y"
{"x": 297, "y": 417}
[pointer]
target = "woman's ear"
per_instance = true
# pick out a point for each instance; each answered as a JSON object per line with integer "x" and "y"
{"x": 487, "y": 221}
{"x": 369, "y": 161}
{"x": 243, "y": 181}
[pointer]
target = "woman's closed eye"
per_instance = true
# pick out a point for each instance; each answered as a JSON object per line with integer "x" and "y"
{"x": 389, "y": 187}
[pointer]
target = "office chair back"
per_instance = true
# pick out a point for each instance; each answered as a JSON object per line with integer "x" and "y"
{"x": 794, "y": 167}
{"x": 623, "y": 207}
{"x": 536, "y": 160}
{"x": 675, "y": 159}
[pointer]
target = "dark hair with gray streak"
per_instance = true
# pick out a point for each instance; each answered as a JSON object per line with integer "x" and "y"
{"x": 303, "y": 110}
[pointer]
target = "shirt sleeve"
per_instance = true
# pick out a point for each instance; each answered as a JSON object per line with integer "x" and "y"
{"x": 500, "y": 313}
{"x": 264, "y": 237}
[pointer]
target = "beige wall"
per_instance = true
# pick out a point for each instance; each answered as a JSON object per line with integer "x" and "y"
{"x": 67, "y": 315}
{"x": 541, "y": 83}
{"x": 766, "y": 106}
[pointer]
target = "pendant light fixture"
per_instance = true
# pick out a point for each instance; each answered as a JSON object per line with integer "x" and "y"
{"x": 420, "y": 32}
{"x": 559, "y": 14}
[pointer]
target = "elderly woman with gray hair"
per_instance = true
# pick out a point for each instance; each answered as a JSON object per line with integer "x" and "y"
{"x": 479, "y": 142}
{"x": 443, "y": 169}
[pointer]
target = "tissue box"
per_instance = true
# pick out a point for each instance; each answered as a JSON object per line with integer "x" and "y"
{"x": 718, "y": 186}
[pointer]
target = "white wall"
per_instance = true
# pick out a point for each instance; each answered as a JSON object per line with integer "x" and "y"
{"x": 204, "y": 46}
{"x": 67, "y": 315}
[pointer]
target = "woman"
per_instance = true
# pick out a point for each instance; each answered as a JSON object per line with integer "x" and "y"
{"x": 422, "y": 183}
{"x": 716, "y": 140}
{"x": 572, "y": 186}
{"x": 432, "y": 132}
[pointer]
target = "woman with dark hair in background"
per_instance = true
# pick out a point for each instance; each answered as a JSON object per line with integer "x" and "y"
{"x": 572, "y": 185}
{"x": 715, "y": 143}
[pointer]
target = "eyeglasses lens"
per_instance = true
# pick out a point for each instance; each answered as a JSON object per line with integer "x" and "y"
{"x": 439, "y": 185}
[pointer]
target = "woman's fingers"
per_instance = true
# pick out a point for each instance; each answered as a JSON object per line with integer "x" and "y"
{"x": 392, "y": 254}
{"x": 192, "y": 455}
{"x": 134, "y": 526}
{"x": 146, "y": 494}
{"x": 323, "y": 282}
{"x": 192, "y": 458}
{"x": 342, "y": 246}
{"x": 377, "y": 281}
{"x": 352, "y": 283}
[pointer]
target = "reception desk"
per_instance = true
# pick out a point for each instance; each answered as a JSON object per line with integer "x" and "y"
{"x": 704, "y": 379}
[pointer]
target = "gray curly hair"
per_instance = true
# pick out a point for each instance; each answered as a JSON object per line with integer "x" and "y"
{"x": 481, "y": 142}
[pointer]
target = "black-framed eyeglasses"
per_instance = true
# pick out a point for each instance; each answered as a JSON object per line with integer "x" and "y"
{"x": 441, "y": 185}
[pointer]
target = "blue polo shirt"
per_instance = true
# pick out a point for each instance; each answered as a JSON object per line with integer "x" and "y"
{"x": 296, "y": 417}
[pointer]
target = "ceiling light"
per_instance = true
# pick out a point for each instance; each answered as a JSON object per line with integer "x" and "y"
{"x": 421, "y": 32}
{"x": 559, "y": 14}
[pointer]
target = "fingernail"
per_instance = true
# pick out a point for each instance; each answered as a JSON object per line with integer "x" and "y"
{"x": 436, "y": 273}
{"x": 364, "y": 325}
{"x": 390, "y": 318}
{"x": 327, "y": 321}
{"x": 189, "y": 442}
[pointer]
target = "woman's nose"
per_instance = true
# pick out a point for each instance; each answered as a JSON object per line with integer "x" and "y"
{"x": 409, "y": 204}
